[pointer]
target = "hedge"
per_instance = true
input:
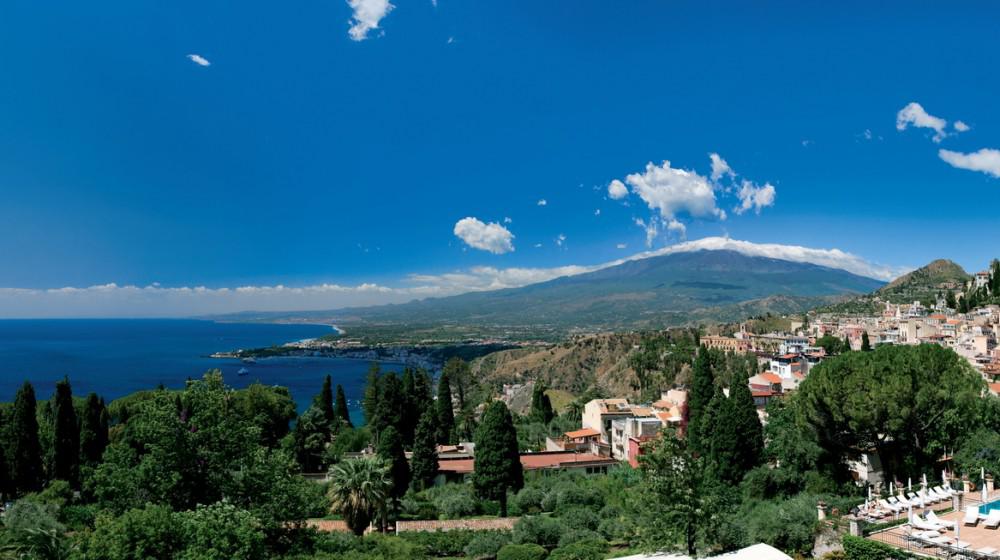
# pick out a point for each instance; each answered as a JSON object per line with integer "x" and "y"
{"x": 857, "y": 548}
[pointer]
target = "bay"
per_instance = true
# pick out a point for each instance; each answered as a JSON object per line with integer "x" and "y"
{"x": 116, "y": 357}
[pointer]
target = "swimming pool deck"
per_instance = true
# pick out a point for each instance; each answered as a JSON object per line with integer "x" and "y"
{"x": 968, "y": 541}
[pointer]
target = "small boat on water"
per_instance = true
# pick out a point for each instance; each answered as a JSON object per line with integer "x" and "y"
{"x": 243, "y": 371}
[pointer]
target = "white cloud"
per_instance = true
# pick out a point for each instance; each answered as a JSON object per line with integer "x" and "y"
{"x": 650, "y": 228}
{"x": 960, "y": 126}
{"x": 669, "y": 191}
{"x": 597, "y": 212}
{"x": 720, "y": 167}
{"x": 366, "y": 17}
{"x": 507, "y": 220}
{"x": 199, "y": 60}
{"x": 617, "y": 190}
{"x": 542, "y": 202}
{"x": 560, "y": 239}
{"x": 538, "y": 245}
{"x": 112, "y": 300}
{"x": 914, "y": 114}
{"x": 753, "y": 197}
{"x": 450, "y": 40}
{"x": 986, "y": 160}
{"x": 677, "y": 227}
{"x": 491, "y": 237}
{"x": 621, "y": 246}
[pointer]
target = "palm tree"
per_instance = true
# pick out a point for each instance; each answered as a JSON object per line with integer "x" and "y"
{"x": 360, "y": 490}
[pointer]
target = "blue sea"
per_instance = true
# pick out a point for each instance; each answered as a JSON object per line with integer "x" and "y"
{"x": 116, "y": 357}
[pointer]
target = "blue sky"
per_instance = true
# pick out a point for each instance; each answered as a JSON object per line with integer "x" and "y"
{"x": 302, "y": 156}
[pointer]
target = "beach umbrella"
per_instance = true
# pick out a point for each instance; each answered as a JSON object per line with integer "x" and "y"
{"x": 924, "y": 476}
{"x": 958, "y": 529}
{"x": 909, "y": 484}
{"x": 869, "y": 492}
{"x": 891, "y": 489}
{"x": 909, "y": 514}
{"x": 944, "y": 478}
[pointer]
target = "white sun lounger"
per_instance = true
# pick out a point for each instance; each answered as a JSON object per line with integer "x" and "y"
{"x": 916, "y": 500}
{"x": 942, "y": 492}
{"x": 992, "y": 519}
{"x": 987, "y": 550}
{"x": 929, "y": 497}
{"x": 933, "y": 518}
{"x": 890, "y": 507}
{"x": 899, "y": 501}
{"x": 971, "y": 515}
{"x": 925, "y": 525}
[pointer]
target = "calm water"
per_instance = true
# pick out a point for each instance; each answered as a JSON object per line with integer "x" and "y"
{"x": 116, "y": 357}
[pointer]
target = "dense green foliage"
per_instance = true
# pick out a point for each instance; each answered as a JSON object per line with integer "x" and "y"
{"x": 497, "y": 461}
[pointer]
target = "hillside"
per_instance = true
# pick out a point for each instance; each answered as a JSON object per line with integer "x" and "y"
{"x": 703, "y": 286}
{"x": 925, "y": 282}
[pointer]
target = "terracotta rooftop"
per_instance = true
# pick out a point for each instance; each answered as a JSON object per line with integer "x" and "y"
{"x": 533, "y": 461}
{"x": 585, "y": 432}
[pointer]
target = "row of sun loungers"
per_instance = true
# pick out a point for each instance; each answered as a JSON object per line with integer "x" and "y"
{"x": 990, "y": 520}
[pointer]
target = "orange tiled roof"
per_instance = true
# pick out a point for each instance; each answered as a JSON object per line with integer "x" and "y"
{"x": 585, "y": 432}
{"x": 770, "y": 377}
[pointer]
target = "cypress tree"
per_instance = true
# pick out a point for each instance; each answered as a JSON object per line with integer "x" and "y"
{"x": 325, "y": 400}
{"x": 445, "y": 412}
{"x": 341, "y": 411}
{"x": 541, "y": 405}
{"x": 497, "y": 467}
{"x": 410, "y": 414}
{"x": 373, "y": 394}
{"x": 702, "y": 390}
{"x": 425, "y": 457}
{"x": 847, "y": 343}
{"x": 93, "y": 432}
{"x": 746, "y": 422}
{"x": 866, "y": 345}
{"x": 390, "y": 409}
{"x": 390, "y": 449}
{"x": 723, "y": 441}
{"x": 949, "y": 299}
{"x": 66, "y": 445}
{"x": 26, "y": 452}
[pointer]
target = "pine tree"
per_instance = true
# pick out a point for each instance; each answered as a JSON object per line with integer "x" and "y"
{"x": 93, "y": 432}
{"x": 325, "y": 400}
{"x": 311, "y": 435}
{"x": 66, "y": 445}
{"x": 25, "y": 453}
{"x": 340, "y": 410}
{"x": 747, "y": 426}
{"x": 445, "y": 412}
{"x": 866, "y": 345}
{"x": 497, "y": 467}
{"x": 702, "y": 390}
{"x": 373, "y": 394}
{"x": 541, "y": 405}
{"x": 390, "y": 449}
{"x": 425, "y": 457}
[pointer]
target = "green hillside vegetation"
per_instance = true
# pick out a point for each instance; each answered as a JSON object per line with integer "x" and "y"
{"x": 924, "y": 283}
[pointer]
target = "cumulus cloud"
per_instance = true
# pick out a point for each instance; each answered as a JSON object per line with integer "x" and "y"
{"x": 491, "y": 237}
{"x": 366, "y": 17}
{"x": 112, "y": 300}
{"x": 199, "y": 60}
{"x": 542, "y": 202}
{"x": 650, "y": 228}
{"x": 560, "y": 239}
{"x": 915, "y": 115}
{"x": 753, "y": 197}
{"x": 986, "y": 160}
{"x": 507, "y": 220}
{"x": 719, "y": 167}
{"x": 669, "y": 191}
{"x": 621, "y": 246}
{"x": 960, "y": 126}
{"x": 617, "y": 190}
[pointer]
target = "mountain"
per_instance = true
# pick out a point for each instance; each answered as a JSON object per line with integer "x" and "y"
{"x": 654, "y": 292}
{"x": 925, "y": 282}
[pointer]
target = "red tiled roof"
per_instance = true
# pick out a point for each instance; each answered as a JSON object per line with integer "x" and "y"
{"x": 770, "y": 377}
{"x": 585, "y": 432}
{"x": 532, "y": 461}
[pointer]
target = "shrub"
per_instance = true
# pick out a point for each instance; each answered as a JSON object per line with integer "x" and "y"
{"x": 220, "y": 531}
{"x": 441, "y": 543}
{"x": 521, "y": 552}
{"x": 78, "y": 517}
{"x": 577, "y": 535}
{"x": 857, "y": 548}
{"x": 580, "y": 518}
{"x": 151, "y": 532}
{"x": 565, "y": 495}
{"x": 529, "y": 500}
{"x": 486, "y": 544}
{"x": 538, "y": 529}
{"x": 589, "y": 549}
{"x": 418, "y": 506}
